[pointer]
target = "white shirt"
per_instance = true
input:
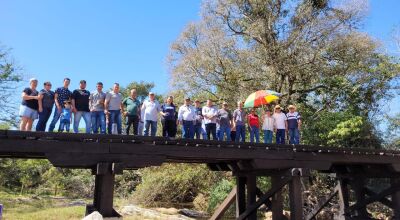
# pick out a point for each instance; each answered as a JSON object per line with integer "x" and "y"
{"x": 280, "y": 120}
{"x": 151, "y": 110}
{"x": 268, "y": 123}
{"x": 186, "y": 113}
{"x": 211, "y": 113}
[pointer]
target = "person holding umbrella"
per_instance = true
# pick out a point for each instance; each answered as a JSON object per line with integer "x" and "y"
{"x": 254, "y": 126}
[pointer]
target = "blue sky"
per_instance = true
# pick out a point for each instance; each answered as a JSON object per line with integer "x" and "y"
{"x": 120, "y": 41}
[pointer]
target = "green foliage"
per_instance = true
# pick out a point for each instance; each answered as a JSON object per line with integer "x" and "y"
{"x": 219, "y": 193}
{"x": 174, "y": 183}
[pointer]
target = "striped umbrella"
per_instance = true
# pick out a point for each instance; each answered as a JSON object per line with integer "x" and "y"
{"x": 261, "y": 97}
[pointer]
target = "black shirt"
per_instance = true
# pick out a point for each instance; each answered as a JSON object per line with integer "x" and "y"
{"x": 32, "y": 103}
{"x": 81, "y": 98}
{"x": 48, "y": 98}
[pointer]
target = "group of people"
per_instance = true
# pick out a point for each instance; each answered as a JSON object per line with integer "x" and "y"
{"x": 103, "y": 112}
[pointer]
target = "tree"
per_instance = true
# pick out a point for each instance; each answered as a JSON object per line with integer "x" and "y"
{"x": 10, "y": 75}
{"x": 310, "y": 51}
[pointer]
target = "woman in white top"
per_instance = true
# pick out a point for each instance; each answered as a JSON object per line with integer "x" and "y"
{"x": 268, "y": 126}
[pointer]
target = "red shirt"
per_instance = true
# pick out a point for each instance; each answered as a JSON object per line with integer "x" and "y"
{"x": 253, "y": 120}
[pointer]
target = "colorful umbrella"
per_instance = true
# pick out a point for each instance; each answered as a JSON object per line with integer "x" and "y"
{"x": 261, "y": 97}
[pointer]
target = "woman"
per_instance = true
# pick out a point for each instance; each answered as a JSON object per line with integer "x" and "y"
{"x": 254, "y": 126}
{"x": 268, "y": 126}
{"x": 29, "y": 106}
{"x": 46, "y": 103}
{"x": 169, "y": 118}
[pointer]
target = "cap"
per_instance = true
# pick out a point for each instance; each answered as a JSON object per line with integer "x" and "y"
{"x": 151, "y": 93}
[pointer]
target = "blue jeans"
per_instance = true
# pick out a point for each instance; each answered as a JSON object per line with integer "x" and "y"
{"x": 98, "y": 120}
{"x": 294, "y": 136}
{"x": 86, "y": 117}
{"x": 115, "y": 117}
{"x": 198, "y": 130}
{"x": 254, "y": 133}
{"x": 240, "y": 132}
{"x": 54, "y": 121}
{"x": 268, "y": 136}
{"x": 188, "y": 129}
{"x": 224, "y": 130}
{"x": 280, "y": 136}
{"x": 150, "y": 125}
{"x": 64, "y": 124}
{"x": 43, "y": 118}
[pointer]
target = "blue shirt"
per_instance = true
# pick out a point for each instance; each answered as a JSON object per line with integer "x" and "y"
{"x": 293, "y": 120}
{"x": 170, "y": 110}
{"x": 66, "y": 114}
{"x": 63, "y": 95}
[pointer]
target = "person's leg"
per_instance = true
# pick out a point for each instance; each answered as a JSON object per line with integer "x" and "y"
{"x": 233, "y": 135}
{"x": 257, "y": 134}
{"x": 129, "y": 121}
{"x": 95, "y": 125}
{"x": 191, "y": 130}
{"x": 164, "y": 127}
{"x": 118, "y": 121}
{"x": 101, "y": 122}
{"x": 29, "y": 123}
{"x": 77, "y": 119}
{"x": 41, "y": 124}
{"x": 269, "y": 136}
{"x": 153, "y": 128}
{"x": 265, "y": 132}
{"x": 221, "y": 132}
{"x": 296, "y": 136}
{"x": 228, "y": 133}
{"x": 24, "y": 121}
{"x": 196, "y": 131}
{"x": 174, "y": 128}
{"x": 170, "y": 128}
{"x": 208, "y": 131}
{"x": 54, "y": 121}
{"x": 140, "y": 128}
{"x": 251, "y": 134}
{"x": 243, "y": 133}
{"x": 67, "y": 125}
{"x": 237, "y": 136}
{"x": 46, "y": 117}
{"x": 135, "y": 124}
{"x": 61, "y": 126}
{"x": 111, "y": 121}
{"x": 214, "y": 131}
{"x": 88, "y": 122}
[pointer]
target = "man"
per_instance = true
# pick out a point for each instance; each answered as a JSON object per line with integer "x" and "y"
{"x": 46, "y": 103}
{"x": 280, "y": 125}
{"x": 294, "y": 123}
{"x": 239, "y": 120}
{"x": 113, "y": 106}
{"x": 132, "y": 112}
{"x": 225, "y": 122}
{"x": 210, "y": 119}
{"x": 168, "y": 121}
{"x": 187, "y": 117}
{"x": 151, "y": 108}
{"x": 198, "y": 129}
{"x": 61, "y": 95}
{"x": 80, "y": 107}
{"x": 96, "y": 106}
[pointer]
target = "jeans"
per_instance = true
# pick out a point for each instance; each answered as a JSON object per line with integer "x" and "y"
{"x": 188, "y": 129}
{"x": 140, "y": 128}
{"x": 132, "y": 120}
{"x": 294, "y": 136}
{"x": 280, "y": 136}
{"x": 169, "y": 128}
{"x": 211, "y": 129}
{"x": 64, "y": 124}
{"x": 198, "y": 130}
{"x": 98, "y": 120}
{"x": 268, "y": 136}
{"x": 54, "y": 121}
{"x": 240, "y": 132}
{"x": 43, "y": 118}
{"x": 115, "y": 117}
{"x": 87, "y": 117}
{"x": 150, "y": 125}
{"x": 254, "y": 133}
{"x": 224, "y": 130}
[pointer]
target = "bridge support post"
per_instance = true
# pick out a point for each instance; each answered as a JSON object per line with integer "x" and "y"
{"x": 277, "y": 199}
{"x": 296, "y": 198}
{"x": 359, "y": 191}
{"x": 104, "y": 190}
{"x": 396, "y": 198}
{"x": 240, "y": 195}
{"x": 251, "y": 195}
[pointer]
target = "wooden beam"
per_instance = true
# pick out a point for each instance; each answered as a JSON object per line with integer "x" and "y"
{"x": 277, "y": 199}
{"x": 359, "y": 194}
{"x": 104, "y": 190}
{"x": 251, "y": 195}
{"x": 322, "y": 203}
{"x": 224, "y": 206}
{"x": 296, "y": 198}
{"x": 343, "y": 198}
{"x": 240, "y": 195}
{"x": 263, "y": 198}
{"x": 395, "y": 198}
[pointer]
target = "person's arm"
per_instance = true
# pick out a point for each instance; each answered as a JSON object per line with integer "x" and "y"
{"x": 40, "y": 102}
{"x": 180, "y": 115}
{"x": 59, "y": 108}
{"x": 204, "y": 113}
{"x": 106, "y": 103}
{"x": 73, "y": 108}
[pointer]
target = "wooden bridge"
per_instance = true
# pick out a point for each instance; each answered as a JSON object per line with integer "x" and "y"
{"x": 108, "y": 155}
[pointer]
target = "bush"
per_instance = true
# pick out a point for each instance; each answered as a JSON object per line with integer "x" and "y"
{"x": 219, "y": 193}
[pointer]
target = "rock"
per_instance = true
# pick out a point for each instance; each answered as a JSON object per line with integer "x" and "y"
{"x": 77, "y": 203}
{"x": 170, "y": 211}
{"x": 191, "y": 213}
{"x": 94, "y": 216}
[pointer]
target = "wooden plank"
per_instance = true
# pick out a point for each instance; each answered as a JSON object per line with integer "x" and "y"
{"x": 251, "y": 184}
{"x": 395, "y": 198}
{"x": 343, "y": 193}
{"x": 224, "y": 206}
{"x": 322, "y": 203}
{"x": 265, "y": 197}
{"x": 277, "y": 199}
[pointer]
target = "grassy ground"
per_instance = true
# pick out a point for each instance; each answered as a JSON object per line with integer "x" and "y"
{"x": 16, "y": 207}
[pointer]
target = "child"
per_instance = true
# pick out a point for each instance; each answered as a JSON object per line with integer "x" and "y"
{"x": 65, "y": 117}
{"x": 294, "y": 122}
{"x": 268, "y": 126}
{"x": 280, "y": 125}
{"x": 254, "y": 126}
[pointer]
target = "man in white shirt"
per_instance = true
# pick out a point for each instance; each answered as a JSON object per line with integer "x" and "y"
{"x": 280, "y": 125}
{"x": 210, "y": 114}
{"x": 187, "y": 117}
{"x": 151, "y": 109}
